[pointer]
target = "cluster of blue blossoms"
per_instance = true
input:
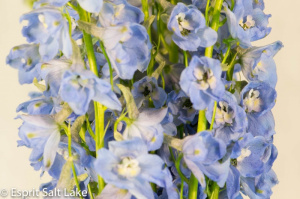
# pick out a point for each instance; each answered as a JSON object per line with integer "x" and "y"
{"x": 149, "y": 99}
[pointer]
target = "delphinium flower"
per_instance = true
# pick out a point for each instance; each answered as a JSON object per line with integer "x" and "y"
{"x": 201, "y": 81}
{"x": 190, "y": 30}
{"x": 139, "y": 99}
{"x": 25, "y": 58}
{"x": 247, "y": 21}
{"x": 48, "y": 28}
{"x": 128, "y": 165}
{"x": 230, "y": 119}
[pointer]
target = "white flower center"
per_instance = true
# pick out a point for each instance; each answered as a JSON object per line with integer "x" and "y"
{"x": 184, "y": 25}
{"x": 244, "y": 153}
{"x": 128, "y": 167}
{"x": 205, "y": 78}
{"x": 248, "y": 23}
{"x": 252, "y": 102}
{"x": 223, "y": 114}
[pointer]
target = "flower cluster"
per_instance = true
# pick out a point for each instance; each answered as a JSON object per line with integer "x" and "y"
{"x": 149, "y": 99}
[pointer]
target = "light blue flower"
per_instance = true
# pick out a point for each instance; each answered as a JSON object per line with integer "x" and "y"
{"x": 114, "y": 13}
{"x": 38, "y": 105}
{"x": 247, "y": 22}
{"x": 201, "y": 154}
{"x": 252, "y": 157}
{"x": 128, "y": 165}
{"x": 128, "y": 48}
{"x": 25, "y": 58}
{"x": 258, "y": 98}
{"x": 93, "y": 6}
{"x": 258, "y": 64}
{"x": 201, "y": 81}
{"x": 48, "y": 28}
{"x": 148, "y": 127}
{"x": 147, "y": 88}
{"x": 79, "y": 88}
{"x": 181, "y": 107}
{"x": 230, "y": 119}
{"x": 261, "y": 186}
{"x": 41, "y": 133}
{"x": 56, "y": 3}
{"x": 189, "y": 28}
{"x": 52, "y": 72}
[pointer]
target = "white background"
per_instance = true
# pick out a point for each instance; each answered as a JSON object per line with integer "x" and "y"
{"x": 15, "y": 170}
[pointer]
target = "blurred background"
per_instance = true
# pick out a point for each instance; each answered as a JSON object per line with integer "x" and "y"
{"x": 16, "y": 172}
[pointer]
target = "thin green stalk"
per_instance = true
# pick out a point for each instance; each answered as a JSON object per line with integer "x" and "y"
{"x": 90, "y": 191}
{"x": 177, "y": 165}
{"x": 109, "y": 64}
{"x": 226, "y": 55}
{"x": 173, "y": 52}
{"x": 215, "y": 191}
{"x": 89, "y": 128}
{"x": 230, "y": 70}
{"x": 213, "y": 116}
{"x": 214, "y": 24}
{"x": 100, "y": 133}
{"x": 70, "y": 156}
{"x": 186, "y": 61}
{"x": 206, "y": 12}
{"x": 181, "y": 189}
{"x": 163, "y": 81}
{"x": 99, "y": 108}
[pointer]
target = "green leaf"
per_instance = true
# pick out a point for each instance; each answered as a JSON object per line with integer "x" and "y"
{"x": 91, "y": 28}
{"x": 167, "y": 6}
{"x": 132, "y": 109}
{"x": 65, "y": 112}
{"x": 41, "y": 87}
{"x": 159, "y": 70}
{"x": 76, "y": 56}
{"x": 173, "y": 142}
{"x": 225, "y": 67}
{"x": 239, "y": 85}
{"x": 64, "y": 181}
{"x": 149, "y": 21}
{"x": 76, "y": 127}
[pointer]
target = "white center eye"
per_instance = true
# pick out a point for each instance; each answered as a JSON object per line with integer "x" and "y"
{"x": 128, "y": 167}
{"x": 184, "y": 25}
{"x": 244, "y": 153}
{"x": 205, "y": 78}
{"x": 248, "y": 23}
{"x": 252, "y": 102}
{"x": 224, "y": 115}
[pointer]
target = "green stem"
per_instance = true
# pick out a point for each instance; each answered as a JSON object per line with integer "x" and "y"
{"x": 214, "y": 24}
{"x": 177, "y": 165}
{"x": 215, "y": 191}
{"x": 186, "y": 61}
{"x": 88, "y": 126}
{"x": 231, "y": 68}
{"x": 72, "y": 163}
{"x": 173, "y": 53}
{"x": 99, "y": 108}
{"x": 109, "y": 64}
{"x": 206, "y": 12}
{"x": 99, "y": 134}
{"x": 226, "y": 54}
{"x": 213, "y": 116}
{"x": 90, "y": 191}
{"x": 181, "y": 189}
